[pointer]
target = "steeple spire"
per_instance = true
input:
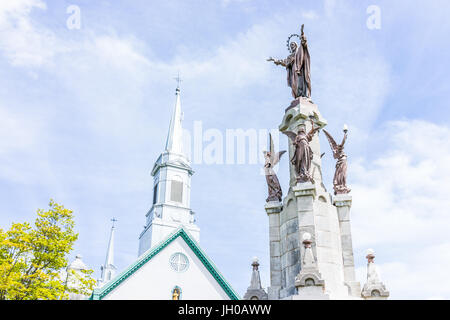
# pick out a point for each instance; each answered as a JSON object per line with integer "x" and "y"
{"x": 109, "y": 269}
{"x": 171, "y": 187}
{"x": 174, "y": 141}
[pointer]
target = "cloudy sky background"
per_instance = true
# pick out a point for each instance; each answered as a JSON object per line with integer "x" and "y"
{"x": 84, "y": 114}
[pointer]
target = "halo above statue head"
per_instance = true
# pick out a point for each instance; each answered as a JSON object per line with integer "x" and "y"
{"x": 288, "y": 42}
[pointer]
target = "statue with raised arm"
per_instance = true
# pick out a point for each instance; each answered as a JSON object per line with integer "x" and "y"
{"x": 297, "y": 65}
{"x": 303, "y": 153}
{"x": 271, "y": 160}
{"x": 340, "y": 175}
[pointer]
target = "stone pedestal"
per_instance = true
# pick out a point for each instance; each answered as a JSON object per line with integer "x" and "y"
{"x": 343, "y": 203}
{"x": 273, "y": 210}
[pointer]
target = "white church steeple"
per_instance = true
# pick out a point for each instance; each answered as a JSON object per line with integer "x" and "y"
{"x": 174, "y": 141}
{"x": 109, "y": 269}
{"x": 171, "y": 188}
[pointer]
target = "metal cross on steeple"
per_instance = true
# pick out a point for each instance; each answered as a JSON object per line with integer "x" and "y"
{"x": 113, "y": 221}
{"x": 178, "y": 79}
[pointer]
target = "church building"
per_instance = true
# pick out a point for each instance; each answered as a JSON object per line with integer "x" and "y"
{"x": 170, "y": 261}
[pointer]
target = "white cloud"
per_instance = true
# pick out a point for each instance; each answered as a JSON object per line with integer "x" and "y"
{"x": 329, "y": 6}
{"x": 400, "y": 200}
{"x": 121, "y": 53}
{"x": 404, "y": 191}
{"x": 226, "y": 3}
{"x": 20, "y": 130}
{"x": 21, "y": 40}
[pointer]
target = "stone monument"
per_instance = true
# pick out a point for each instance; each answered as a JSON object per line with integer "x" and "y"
{"x": 311, "y": 253}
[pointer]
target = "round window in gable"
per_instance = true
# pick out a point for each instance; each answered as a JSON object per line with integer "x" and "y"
{"x": 179, "y": 262}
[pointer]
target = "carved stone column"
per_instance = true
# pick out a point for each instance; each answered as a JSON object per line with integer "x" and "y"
{"x": 343, "y": 203}
{"x": 273, "y": 210}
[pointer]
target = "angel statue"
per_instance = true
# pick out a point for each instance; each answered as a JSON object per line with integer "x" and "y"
{"x": 303, "y": 153}
{"x": 297, "y": 65}
{"x": 273, "y": 184}
{"x": 340, "y": 175}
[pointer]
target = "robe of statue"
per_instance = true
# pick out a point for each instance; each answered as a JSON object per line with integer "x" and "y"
{"x": 340, "y": 174}
{"x": 274, "y": 188}
{"x": 297, "y": 65}
{"x": 273, "y": 184}
{"x": 303, "y": 153}
{"x": 298, "y": 72}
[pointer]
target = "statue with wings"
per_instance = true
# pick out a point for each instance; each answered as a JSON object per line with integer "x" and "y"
{"x": 271, "y": 160}
{"x": 340, "y": 175}
{"x": 303, "y": 153}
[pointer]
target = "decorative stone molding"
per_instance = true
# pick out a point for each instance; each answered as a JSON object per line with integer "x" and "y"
{"x": 374, "y": 289}
{"x": 299, "y": 112}
{"x": 342, "y": 200}
{"x": 273, "y": 207}
{"x": 305, "y": 189}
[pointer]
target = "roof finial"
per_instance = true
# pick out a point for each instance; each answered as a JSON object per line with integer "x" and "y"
{"x": 178, "y": 79}
{"x": 255, "y": 290}
{"x": 113, "y": 221}
{"x": 373, "y": 288}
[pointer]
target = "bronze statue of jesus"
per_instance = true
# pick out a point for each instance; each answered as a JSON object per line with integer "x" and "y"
{"x": 297, "y": 65}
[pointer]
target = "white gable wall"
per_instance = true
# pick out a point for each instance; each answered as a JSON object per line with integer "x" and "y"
{"x": 156, "y": 279}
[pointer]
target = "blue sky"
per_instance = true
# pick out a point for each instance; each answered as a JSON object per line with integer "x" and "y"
{"x": 84, "y": 114}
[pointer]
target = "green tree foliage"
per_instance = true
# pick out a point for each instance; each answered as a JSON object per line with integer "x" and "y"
{"x": 33, "y": 258}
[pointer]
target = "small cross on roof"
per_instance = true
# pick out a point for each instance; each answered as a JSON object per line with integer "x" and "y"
{"x": 178, "y": 79}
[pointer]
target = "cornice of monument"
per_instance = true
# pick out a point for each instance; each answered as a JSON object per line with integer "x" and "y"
{"x": 304, "y": 111}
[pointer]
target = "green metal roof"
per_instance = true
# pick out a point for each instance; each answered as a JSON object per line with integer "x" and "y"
{"x": 100, "y": 293}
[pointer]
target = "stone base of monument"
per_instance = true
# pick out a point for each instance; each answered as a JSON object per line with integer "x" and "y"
{"x": 308, "y": 207}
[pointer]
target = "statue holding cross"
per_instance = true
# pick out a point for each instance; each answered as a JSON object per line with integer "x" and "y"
{"x": 297, "y": 65}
